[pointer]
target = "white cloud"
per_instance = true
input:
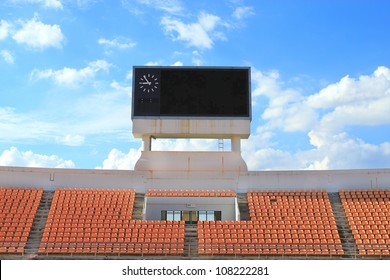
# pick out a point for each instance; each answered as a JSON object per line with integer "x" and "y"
{"x": 14, "y": 126}
{"x": 7, "y": 56}
{"x": 14, "y": 157}
{"x": 243, "y": 12}
{"x": 56, "y": 4}
{"x": 197, "y": 61}
{"x": 71, "y": 76}
{"x": 167, "y": 6}
{"x": 158, "y": 63}
{"x": 350, "y": 102}
{"x": 200, "y": 34}
{"x": 342, "y": 151}
{"x": 152, "y": 63}
{"x": 270, "y": 159}
{"x": 287, "y": 108}
{"x": 320, "y": 164}
{"x": 353, "y": 91}
{"x": 116, "y": 159}
{"x": 118, "y": 42}
{"x": 5, "y": 27}
{"x": 129, "y": 76}
{"x": 324, "y": 117}
{"x": 84, "y": 3}
{"x": 177, "y": 63}
{"x": 103, "y": 116}
{"x": 71, "y": 140}
{"x": 128, "y": 89}
{"x": 196, "y": 58}
{"x": 38, "y": 35}
{"x": 265, "y": 84}
{"x": 339, "y": 152}
{"x": 50, "y": 4}
{"x": 71, "y": 120}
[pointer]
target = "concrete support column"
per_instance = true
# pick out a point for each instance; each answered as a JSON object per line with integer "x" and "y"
{"x": 146, "y": 143}
{"x": 236, "y": 144}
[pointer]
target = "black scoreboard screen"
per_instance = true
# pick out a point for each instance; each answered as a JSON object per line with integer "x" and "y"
{"x": 191, "y": 92}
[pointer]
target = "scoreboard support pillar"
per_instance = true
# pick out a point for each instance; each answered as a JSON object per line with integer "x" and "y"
{"x": 236, "y": 144}
{"x": 146, "y": 143}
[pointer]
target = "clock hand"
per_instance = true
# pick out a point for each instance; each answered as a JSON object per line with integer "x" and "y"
{"x": 147, "y": 80}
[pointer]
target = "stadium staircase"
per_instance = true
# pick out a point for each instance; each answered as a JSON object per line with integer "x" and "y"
{"x": 191, "y": 240}
{"x": 349, "y": 245}
{"x": 138, "y": 206}
{"x": 38, "y": 225}
{"x": 242, "y": 201}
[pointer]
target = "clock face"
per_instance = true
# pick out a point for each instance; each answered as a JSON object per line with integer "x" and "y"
{"x": 148, "y": 83}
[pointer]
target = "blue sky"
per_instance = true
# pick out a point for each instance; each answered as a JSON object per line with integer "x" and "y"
{"x": 320, "y": 78}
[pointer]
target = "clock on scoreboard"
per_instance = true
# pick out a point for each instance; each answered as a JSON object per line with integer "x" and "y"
{"x": 191, "y": 92}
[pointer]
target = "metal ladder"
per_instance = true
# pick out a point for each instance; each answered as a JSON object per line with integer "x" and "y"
{"x": 220, "y": 145}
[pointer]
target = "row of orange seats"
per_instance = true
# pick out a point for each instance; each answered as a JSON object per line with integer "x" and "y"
{"x": 195, "y": 193}
{"x": 114, "y": 248}
{"x": 270, "y": 249}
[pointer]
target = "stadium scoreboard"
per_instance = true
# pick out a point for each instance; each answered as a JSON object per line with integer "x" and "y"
{"x": 187, "y": 92}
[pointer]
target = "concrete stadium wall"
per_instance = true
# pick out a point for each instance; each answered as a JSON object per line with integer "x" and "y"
{"x": 331, "y": 180}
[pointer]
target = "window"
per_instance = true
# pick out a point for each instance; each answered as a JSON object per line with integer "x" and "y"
{"x": 171, "y": 215}
{"x": 202, "y": 215}
{"x": 209, "y": 215}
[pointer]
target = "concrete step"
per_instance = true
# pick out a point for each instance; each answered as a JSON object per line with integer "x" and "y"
{"x": 39, "y": 224}
{"x": 138, "y": 206}
{"x": 242, "y": 201}
{"x": 348, "y": 242}
{"x": 191, "y": 240}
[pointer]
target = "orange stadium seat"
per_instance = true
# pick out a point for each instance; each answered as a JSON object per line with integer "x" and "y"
{"x": 19, "y": 207}
{"x": 363, "y": 209}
